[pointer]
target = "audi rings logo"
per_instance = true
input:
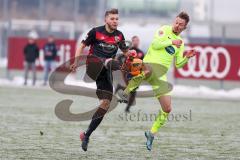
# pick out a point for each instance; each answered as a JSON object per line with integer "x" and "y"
{"x": 203, "y": 61}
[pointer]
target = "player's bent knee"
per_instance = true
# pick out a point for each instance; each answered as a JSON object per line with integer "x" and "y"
{"x": 112, "y": 64}
{"x": 167, "y": 109}
{"x": 147, "y": 73}
{"x": 105, "y": 103}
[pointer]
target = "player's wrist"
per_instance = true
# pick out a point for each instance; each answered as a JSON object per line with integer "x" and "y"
{"x": 76, "y": 61}
{"x": 186, "y": 58}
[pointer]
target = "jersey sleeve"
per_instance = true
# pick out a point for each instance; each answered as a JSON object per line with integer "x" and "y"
{"x": 123, "y": 38}
{"x": 161, "y": 39}
{"x": 90, "y": 39}
{"x": 180, "y": 59}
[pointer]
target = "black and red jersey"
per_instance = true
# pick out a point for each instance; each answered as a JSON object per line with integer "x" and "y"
{"x": 102, "y": 43}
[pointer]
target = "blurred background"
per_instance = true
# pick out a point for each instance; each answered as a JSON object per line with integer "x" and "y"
{"x": 206, "y": 90}
{"x": 214, "y": 23}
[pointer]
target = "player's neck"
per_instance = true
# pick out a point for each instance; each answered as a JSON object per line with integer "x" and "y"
{"x": 134, "y": 46}
{"x": 177, "y": 34}
{"x": 108, "y": 29}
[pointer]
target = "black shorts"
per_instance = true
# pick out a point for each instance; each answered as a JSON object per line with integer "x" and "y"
{"x": 98, "y": 72}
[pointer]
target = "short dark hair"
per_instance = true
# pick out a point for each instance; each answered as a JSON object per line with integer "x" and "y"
{"x": 111, "y": 11}
{"x": 184, "y": 15}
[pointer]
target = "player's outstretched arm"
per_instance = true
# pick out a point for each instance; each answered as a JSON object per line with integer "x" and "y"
{"x": 78, "y": 53}
{"x": 181, "y": 60}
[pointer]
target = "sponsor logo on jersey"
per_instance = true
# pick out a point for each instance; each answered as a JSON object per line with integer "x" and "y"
{"x": 170, "y": 50}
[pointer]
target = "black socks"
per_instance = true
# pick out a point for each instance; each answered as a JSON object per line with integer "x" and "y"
{"x": 96, "y": 120}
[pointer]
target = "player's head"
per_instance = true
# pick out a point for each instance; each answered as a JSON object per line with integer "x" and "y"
{"x": 111, "y": 18}
{"x": 50, "y": 38}
{"x": 135, "y": 41}
{"x": 180, "y": 22}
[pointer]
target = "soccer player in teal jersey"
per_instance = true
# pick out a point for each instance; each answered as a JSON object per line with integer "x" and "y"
{"x": 167, "y": 44}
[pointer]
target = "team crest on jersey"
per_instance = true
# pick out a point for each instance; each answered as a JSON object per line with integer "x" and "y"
{"x": 117, "y": 39}
{"x": 160, "y": 33}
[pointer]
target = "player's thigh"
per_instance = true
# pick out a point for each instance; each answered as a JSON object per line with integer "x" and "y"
{"x": 94, "y": 67}
{"x": 112, "y": 65}
{"x": 165, "y": 102}
{"x": 160, "y": 85}
{"x": 157, "y": 70}
{"x": 104, "y": 85}
{"x": 105, "y": 104}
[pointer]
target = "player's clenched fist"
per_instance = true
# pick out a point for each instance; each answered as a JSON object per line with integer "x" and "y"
{"x": 73, "y": 67}
{"x": 190, "y": 53}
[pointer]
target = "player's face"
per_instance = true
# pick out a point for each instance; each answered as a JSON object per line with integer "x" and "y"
{"x": 135, "y": 42}
{"x": 179, "y": 25}
{"x": 112, "y": 21}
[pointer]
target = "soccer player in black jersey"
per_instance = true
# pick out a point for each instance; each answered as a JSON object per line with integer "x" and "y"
{"x": 104, "y": 42}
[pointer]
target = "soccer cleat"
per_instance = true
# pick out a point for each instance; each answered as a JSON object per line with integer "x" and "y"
{"x": 150, "y": 138}
{"x": 85, "y": 140}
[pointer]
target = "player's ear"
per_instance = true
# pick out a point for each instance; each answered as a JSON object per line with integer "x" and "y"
{"x": 186, "y": 25}
{"x": 105, "y": 19}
